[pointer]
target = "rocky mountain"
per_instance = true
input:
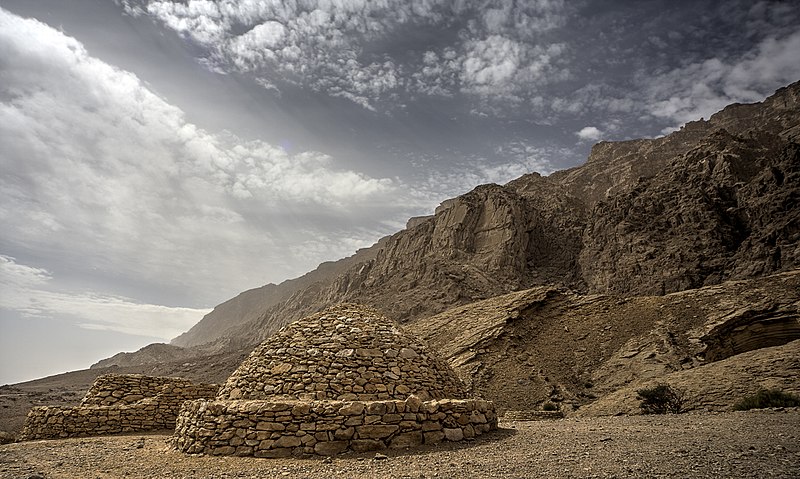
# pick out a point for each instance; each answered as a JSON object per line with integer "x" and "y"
{"x": 673, "y": 257}
{"x": 716, "y": 200}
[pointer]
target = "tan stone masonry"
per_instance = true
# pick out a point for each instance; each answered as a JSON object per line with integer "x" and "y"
{"x": 347, "y": 379}
{"x": 117, "y": 403}
{"x": 295, "y": 428}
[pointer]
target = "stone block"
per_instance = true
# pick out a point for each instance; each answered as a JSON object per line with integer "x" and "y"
{"x": 270, "y": 426}
{"x": 377, "y": 408}
{"x": 352, "y": 409}
{"x": 287, "y": 441}
{"x": 364, "y": 445}
{"x": 407, "y": 439}
{"x": 223, "y": 451}
{"x": 432, "y": 437}
{"x": 453, "y": 434}
{"x": 330, "y": 448}
{"x": 376, "y": 431}
{"x": 431, "y": 426}
{"x": 344, "y": 434}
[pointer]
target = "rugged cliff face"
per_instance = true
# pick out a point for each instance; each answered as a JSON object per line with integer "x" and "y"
{"x": 713, "y": 201}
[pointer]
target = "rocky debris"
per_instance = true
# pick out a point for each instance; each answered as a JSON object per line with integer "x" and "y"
{"x": 715, "y": 386}
{"x": 744, "y": 444}
{"x": 114, "y": 404}
{"x": 509, "y": 416}
{"x": 347, "y": 352}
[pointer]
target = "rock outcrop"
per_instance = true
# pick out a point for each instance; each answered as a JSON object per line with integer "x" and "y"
{"x": 716, "y": 386}
{"x": 552, "y": 345}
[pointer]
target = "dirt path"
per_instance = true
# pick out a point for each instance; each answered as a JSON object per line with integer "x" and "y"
{"x": 751, "y": 444}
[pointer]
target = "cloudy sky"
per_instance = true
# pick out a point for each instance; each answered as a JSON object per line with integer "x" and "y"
{"x": 160, "y": 156}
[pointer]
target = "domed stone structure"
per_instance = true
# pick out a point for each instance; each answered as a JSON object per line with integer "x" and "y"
{"x": 346, "y": 379}
{"x": 348, "y": 352}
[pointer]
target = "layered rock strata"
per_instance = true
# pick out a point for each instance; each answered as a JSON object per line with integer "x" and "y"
{"x": 117, "y": 403}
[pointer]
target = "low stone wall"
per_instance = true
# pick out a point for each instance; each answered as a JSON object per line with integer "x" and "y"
{"x": 122, "y": 408}
{"x": 264, "y": 428}
{"x": 111, "y": 389}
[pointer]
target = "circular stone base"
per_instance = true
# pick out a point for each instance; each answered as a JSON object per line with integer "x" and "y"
{"x": 264, "y": 428}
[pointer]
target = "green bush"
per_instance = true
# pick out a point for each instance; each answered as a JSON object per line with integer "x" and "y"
{"x": 548, "y": 406}
{"x": 660, "y": 399}
{"x": 767, "y": 398}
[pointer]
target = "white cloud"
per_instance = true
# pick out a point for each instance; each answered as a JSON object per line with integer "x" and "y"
{"x": 589, "y": 133}
{"x": 320, "y": 44}
{"x": 27, "y": 289}
{"x": 97, "y": 165}
{"x": 703, "y": 88}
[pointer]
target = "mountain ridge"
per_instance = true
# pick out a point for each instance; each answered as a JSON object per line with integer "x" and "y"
{"x": 587, "y": 228}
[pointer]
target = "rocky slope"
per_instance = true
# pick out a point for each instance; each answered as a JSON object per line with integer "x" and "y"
{"x": 713, "y": 201}
{"x": 549, "y": 344}
{"x": 716, "y": 386}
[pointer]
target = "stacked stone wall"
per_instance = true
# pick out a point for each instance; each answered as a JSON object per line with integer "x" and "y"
{"x": 117, "y": 403}
{"x": 327, "y": 427}
{"x": 347, "y": 353}
{"x": 111, "y": 389}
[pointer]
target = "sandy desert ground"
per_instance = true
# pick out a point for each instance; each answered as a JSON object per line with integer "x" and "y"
{"x": 763, "y": 443}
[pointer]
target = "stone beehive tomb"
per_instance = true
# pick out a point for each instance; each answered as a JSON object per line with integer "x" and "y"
{"x": 346, "y": 379}
{"x": 117, "y": 403}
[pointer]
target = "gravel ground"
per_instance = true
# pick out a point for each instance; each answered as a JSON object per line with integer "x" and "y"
{"x": 742, "y": 444}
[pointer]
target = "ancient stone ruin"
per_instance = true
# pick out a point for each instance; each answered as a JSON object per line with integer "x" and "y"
{"x": 117, "y": 403}
{"x": 346, "y": 379}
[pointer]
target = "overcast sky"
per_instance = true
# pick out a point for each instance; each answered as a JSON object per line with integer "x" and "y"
{"x": 159, "y": 157}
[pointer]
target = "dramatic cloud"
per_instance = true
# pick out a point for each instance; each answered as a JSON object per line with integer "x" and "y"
{"x": 345, "y": 49}
{"x": 703, "y": 88}
{"x": 105, "y": 169}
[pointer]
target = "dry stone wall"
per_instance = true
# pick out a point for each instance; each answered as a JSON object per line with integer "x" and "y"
{"x": 117, "y": 403}
{"x": 346, "y": 379}
{"x": 327, "y": 427}
{"x": 346, "y": 353}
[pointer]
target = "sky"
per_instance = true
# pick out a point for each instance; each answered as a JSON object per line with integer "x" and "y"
{"x": 157, "y": 157}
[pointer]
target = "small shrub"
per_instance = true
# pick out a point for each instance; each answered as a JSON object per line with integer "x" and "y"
{"x": 767, "y": 398}
{"x": 548, "y": 406}
{"x": 660, "y": 399}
